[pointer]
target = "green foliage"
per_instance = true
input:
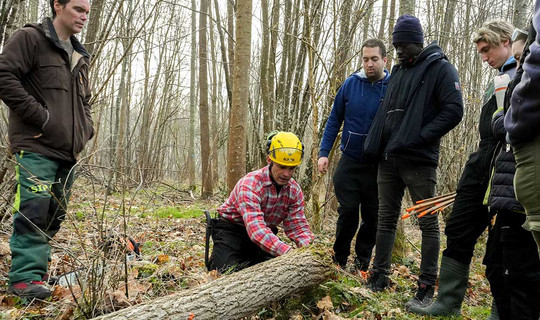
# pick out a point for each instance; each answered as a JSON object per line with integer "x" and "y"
{"x": 79, "y": 216}
{"x": 147, "y": 270}
{"x": 173, "y": 212}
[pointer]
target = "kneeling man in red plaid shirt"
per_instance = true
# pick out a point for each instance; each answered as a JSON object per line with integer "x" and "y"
{"x": 245, "y": 231}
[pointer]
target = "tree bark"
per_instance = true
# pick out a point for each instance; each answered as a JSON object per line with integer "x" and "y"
{"x": 265, "y": 47}
{"x": 192, "y": 98}
{"x": 203, "y": 103}
{"x": 236, "y": 153}
{"x": 406, "y": 7}
{"x": 519, "y": 14}
{"x": 391, "y": 21}
{"x": 94, "y": 24}
{"x": 239, "y": 294}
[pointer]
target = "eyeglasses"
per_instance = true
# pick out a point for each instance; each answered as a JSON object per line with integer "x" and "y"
{"x": 517, "y": 33}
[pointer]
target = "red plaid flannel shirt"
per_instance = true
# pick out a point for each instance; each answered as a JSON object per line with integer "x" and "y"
{"x": 255, "y": 204}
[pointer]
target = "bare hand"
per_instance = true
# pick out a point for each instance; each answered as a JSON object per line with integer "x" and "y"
{"x": 323, "y": 164}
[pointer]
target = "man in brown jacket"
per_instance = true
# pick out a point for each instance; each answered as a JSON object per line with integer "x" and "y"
{"x": 44, "y": 82}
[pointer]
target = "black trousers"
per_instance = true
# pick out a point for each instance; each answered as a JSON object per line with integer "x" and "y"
{"x": 355, "y": 185}
{"x": 513, "y": 268}
{"x": 394, "y": 175}
{"x": 469, "y": 217}
{"x": 233, "y": 249}
{"x": 467, "y": 221}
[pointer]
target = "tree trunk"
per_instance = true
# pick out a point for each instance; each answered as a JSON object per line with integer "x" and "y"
{"x": 384, "y": 9}
{"x": 203, "y": 103}
{"x": 213, "y": 118}
{"x": 265, "y": 47}
{"x": 519, "y": 14}
{"x": 226, "y": 65}
{"x": 94, "y": 23}
{"x": 240, "y": 294}
{"x": 449, "y": 16}
{"x": 231, "y": 10}
{"x": 391, "y": 21}
{"x": 406, "y": 7}
{"x": 192, "y": 98}
{"x": 236, "y": 153}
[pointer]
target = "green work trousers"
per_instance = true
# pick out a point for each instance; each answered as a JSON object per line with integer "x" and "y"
{"x": 43, "y": 190}
{"x": 527, "y": 184}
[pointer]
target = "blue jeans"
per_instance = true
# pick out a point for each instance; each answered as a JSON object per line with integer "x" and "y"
{"x": 393, "y": 176}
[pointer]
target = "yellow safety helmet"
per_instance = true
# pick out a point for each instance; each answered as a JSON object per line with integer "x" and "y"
{"x": 284, "y": 148}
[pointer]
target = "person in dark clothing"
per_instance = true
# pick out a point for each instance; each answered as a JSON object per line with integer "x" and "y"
{"x": 522, "y": 122}
{"x": 422, "y": 103}
{"x": 44, "y": 82}
{"x": 355, "y": 180}
{"x": 512, "y": 262}
{"x": 470, "y": 217}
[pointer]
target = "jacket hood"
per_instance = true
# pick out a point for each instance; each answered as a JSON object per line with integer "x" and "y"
{"x": 46, "y": 27}
{"x": 430, "y": 53}
{"x": 361, "y": 75}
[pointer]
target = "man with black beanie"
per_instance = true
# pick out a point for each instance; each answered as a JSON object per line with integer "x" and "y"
{"x": 422, "y": 103}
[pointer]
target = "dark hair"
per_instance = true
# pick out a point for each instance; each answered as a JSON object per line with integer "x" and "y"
{"x": 374, "y": 43}
{"x": 62, "y": 2}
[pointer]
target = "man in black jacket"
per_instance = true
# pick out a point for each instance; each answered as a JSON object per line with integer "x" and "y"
{"x": 470, "y": 217}
{"x": 422, "y": 103}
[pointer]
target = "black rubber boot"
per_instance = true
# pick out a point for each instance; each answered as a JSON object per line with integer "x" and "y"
{"x": 453, "y": 279}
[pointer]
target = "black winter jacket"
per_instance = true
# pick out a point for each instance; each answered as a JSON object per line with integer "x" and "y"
{"x": 475, "y": 176}
{"x": 433, "y": 106}
{"x": 501, "y": 193}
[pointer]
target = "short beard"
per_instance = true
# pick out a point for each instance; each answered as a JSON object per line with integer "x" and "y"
{"x": 376, "y": 78}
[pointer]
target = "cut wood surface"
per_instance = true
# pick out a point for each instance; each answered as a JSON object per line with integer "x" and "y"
{"x": 239, "y": 294}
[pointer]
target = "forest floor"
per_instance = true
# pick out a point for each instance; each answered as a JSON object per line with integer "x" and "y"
{"x": 170, "y": 226}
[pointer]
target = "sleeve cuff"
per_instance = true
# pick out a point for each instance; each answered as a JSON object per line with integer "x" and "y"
{"x": 324, "y": 153}
{"x": 282, "y": 249}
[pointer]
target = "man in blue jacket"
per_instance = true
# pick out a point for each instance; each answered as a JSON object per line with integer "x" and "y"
{"x": 422, "y": 103}
{"x": 355, "y": 180}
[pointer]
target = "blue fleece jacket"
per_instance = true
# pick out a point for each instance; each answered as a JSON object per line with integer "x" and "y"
{"x": 355, "y": 106}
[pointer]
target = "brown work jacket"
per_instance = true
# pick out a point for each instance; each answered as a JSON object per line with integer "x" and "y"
{"x": 48, "y": 95}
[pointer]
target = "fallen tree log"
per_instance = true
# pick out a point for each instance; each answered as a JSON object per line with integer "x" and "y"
{"x": 239, "y": 294}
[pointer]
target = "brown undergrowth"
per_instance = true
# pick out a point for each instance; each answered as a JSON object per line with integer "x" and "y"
{"x": 170, "y": 228}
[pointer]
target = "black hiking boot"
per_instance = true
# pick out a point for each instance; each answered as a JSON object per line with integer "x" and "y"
{"x": 423, "y": 296}
{"x": 377, "y": 281}
{"x": 360, "y": 266}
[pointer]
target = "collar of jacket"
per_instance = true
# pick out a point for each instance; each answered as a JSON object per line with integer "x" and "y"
{"x": 509, "y": 64}
{"x": 48, "y": 30}
{"x": 361, "y": 75}
{"x": 430, "y": 53}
